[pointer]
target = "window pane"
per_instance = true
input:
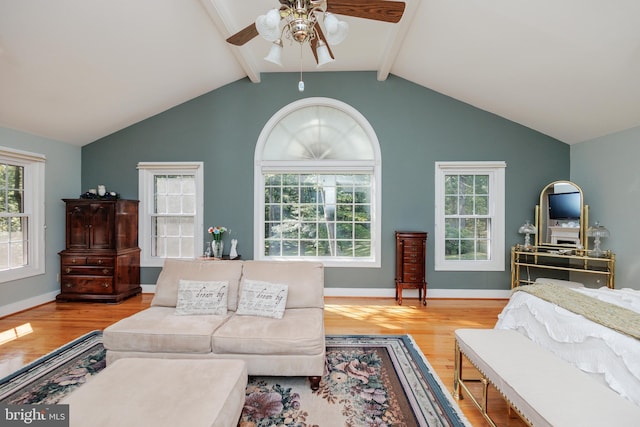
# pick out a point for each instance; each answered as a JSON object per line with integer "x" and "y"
{"x": 272, "y": 195}
{"x": 482, "y": 205}
{"x": 466, "y": 236}
{"x": 452, "y": 228}
{"x": 451, "y": 184}
{"x": 451, "y": 205}
{"x": 482, "y": 184}
{"x": 362, "y": 213}
{"x": 14, "y": 236}
{"x": 316, "y": 217}
{"x": 482, "y": 251}
{"x": 173, "y": 223}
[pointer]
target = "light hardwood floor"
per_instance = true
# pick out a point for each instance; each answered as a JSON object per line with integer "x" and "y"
{"x": 32, "y": 333}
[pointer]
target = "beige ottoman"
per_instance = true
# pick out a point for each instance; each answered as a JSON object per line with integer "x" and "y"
{"x": 161, "y": 392}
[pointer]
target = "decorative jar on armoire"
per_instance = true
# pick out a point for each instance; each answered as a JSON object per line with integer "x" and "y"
{"x": 101, "y": 260}
{"x": 411, "y": 253}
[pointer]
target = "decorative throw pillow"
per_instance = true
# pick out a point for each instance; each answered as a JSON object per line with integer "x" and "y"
{"x": 198, "y": 297}
{"x": 262, "y": 299}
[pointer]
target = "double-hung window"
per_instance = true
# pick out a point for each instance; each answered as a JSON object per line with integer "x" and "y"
{"x": 469, "y": 217}
{"x": 171, "y": 205}
{"x": 317, "y": 186}
{"x": 21, "y": 214}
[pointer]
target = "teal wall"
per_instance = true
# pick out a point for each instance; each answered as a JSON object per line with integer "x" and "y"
{"x": 607, "y": 170}
{"x": 415, "y": 126}
{"x": 62, "y": 180}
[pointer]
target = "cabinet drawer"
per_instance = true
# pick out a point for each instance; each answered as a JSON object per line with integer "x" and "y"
{"x": 412, "y": 268}
{"x": 87, "y": 285}
{"x": 413, "y": 257}
{"x": 100, "y": 261}
{"x": 86, "y": 270}
{"x": 73, "y": 260}
{"x": 411, "y": 277}
{"x": 412, "y": 242}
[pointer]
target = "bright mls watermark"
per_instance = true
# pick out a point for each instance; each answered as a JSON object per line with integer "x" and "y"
{"x": 34, "y": 415}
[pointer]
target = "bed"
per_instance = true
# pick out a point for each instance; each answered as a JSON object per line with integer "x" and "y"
{"x": 610, "y": 354}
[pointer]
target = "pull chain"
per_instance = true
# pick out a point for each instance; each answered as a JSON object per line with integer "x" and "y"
{"x": 301, "y": 83}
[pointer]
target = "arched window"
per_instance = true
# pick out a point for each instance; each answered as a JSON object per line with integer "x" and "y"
{"x": 317, "y": 186}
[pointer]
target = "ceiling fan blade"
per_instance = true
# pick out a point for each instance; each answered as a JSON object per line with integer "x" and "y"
{"x": 379, "y": 10}
{"x": 314, "y": 42}
{"x": 244, "y": 35}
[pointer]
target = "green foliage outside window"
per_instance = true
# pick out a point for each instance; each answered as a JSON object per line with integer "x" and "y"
{"x": 318, "y": 215}
{"x": 467, "y": 222}
{"x": 13, "y": 219}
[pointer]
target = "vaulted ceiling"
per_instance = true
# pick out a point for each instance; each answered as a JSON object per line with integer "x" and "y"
{"x": 78, "y": 70}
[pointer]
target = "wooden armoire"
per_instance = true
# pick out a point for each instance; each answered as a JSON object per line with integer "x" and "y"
{"x": 411, "y": 253}
{"x": 101, "y": 260}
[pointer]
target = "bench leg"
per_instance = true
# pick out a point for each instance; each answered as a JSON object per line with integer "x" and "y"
{"x": 460, "y": 383}
{"x": 457, "y": 373}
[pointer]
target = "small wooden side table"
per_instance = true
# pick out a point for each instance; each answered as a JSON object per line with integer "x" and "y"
{"x": 411, "y": 253}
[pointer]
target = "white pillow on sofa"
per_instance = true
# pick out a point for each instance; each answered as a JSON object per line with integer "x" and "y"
{"x": 200, "y": 297}
{"x": 264, "y": 299}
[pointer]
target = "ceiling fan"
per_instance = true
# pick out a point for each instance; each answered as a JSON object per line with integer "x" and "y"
{"x": 297, "y": 20}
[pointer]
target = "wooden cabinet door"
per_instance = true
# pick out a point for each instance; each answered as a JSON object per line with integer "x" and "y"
{"x": 101, "y": 226}
{"x": 90, "y": 226}
{"x": 77, "y": 222}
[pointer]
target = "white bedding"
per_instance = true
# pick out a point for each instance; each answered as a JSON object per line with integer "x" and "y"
{"x": 609, "y": 356}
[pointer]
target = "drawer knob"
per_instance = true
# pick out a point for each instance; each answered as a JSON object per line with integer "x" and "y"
{"x": 73, "y": 260}
{"x": 105, "y": 270}
{"x": 68, "y": 285}
{"x": 100, "y": 261}
{"x": 105, "y": 285}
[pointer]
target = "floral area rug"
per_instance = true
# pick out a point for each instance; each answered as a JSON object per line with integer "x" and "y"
{"x": 369, "y": 380}
{"x": 50, "y": 378}
{"x": 373, "y": 381}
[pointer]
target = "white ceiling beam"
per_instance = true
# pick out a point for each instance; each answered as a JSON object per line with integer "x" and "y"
{"x": 397, "y": 39}
{"x": 220, "y": 18}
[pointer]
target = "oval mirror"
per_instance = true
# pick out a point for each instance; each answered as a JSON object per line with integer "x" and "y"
{"x": 561, "y": 215}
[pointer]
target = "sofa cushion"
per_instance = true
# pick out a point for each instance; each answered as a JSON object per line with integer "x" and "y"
{"x": 160, "y": 330}
{"x": 305, "y": 280}
{"x": 259, "y": 298}
{"x": 197, "y": 297}
{"x": 208, "y": 270}
{"x": 300, "y": 331}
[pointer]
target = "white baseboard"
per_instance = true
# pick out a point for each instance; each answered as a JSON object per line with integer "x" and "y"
{"x": 148, "y": 289}
{"x": 28, "y": 303}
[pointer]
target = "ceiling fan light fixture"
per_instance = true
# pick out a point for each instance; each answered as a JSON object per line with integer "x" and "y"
{"x": 336, "y": 30}
{"x": 268, "y": 25}
{"x": 323, "y": 54}
{"x": 309, "y": 22}
{"x": 275, "y": 53}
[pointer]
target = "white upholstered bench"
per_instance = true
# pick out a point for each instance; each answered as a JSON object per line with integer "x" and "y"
{"x": 542, "y": 388}
{"x": 161, "y": 392}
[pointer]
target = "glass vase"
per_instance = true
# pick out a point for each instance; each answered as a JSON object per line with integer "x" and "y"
{"x": 216, "y": 248}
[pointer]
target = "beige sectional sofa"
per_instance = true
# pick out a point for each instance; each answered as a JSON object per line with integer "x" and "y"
{"x": 291, "y": 346}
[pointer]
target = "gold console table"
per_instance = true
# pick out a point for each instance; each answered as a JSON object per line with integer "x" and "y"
{"x": 560, "y": 259}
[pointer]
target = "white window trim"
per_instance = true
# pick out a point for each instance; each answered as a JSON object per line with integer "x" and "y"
{"x": 146, "y": 172}
{"x": 496, "y": 172}
{"x": 261, "y": 166}
{"x": 34, "y": 207}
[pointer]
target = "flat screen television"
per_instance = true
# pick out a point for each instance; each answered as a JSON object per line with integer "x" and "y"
{"x": 564, "y": 205}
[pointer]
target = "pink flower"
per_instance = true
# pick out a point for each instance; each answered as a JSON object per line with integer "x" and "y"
{"x": 263, "y": 405}
{"x": 357, "y": 369}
